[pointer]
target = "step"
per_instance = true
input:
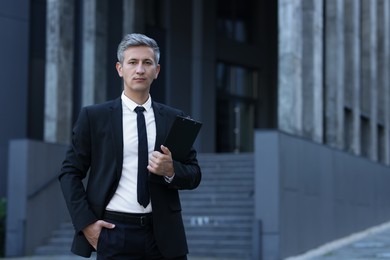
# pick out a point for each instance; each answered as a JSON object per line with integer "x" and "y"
{"x": 218, "y": 215}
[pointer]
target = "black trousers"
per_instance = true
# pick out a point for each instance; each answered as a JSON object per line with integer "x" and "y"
{"x": 131, "y": 239}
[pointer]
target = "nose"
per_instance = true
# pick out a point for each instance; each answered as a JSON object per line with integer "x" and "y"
{"x": 140, "y": 68}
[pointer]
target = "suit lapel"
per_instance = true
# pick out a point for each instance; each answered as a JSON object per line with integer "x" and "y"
{"x": 117, "y": 133}
{"x": 161, "y": 125}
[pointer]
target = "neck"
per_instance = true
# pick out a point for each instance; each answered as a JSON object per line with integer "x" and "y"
{"x": 139, "y": 98}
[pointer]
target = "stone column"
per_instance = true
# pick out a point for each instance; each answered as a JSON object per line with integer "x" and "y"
{"x": 352, "y": 71}
{"x": 203, "y": 71}
{"x": 369, "y": 98}
{"x": 59, "y": 71}
{"x": 133, "y": 16}
{"x": 94, "y": 67}
{"x": 386, "y": 78}
{"x": 383, "y": 14}
{"x": 290, "y": 67}
{"x": 334, "y": 75}
{"x": 198, "y": 61}
{"x": 312, "y": 76}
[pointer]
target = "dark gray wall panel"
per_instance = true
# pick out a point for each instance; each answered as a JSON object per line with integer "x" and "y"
{"x": 14, "y": 31}
{"x": 320, "y": 194}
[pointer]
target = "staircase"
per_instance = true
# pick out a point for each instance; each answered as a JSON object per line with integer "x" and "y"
{"x": 218, "y": 215}
{"x": 60, "y": 242}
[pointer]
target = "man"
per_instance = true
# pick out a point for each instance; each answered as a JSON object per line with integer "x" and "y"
{"x": 113, "y": 214}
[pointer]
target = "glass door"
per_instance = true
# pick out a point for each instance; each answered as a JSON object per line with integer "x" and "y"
{"x": 236, "y": 105}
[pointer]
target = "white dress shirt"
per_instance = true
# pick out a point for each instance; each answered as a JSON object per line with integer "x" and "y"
{"x": 125, "y": 197}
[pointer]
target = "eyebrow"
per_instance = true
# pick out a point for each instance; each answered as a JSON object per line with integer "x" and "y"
{"x": 147, "y": 59}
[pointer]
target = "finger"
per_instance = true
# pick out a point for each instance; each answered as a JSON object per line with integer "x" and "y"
{"x": 154, "y": 161}
{"x": 165, "y": 150}
{"x": 107, "y": 224}
{"x": 151, "y": 169}
{"x": 156, "y": 155}
{"x": 151, "y": 166}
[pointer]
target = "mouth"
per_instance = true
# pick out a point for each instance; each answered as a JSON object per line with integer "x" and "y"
{"x": 139, "y": 79}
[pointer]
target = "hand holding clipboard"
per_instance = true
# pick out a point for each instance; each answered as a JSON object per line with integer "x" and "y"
{"x": 181, "y": 137}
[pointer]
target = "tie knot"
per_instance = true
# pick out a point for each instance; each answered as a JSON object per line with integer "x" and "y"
{"x": 139, "y": 109}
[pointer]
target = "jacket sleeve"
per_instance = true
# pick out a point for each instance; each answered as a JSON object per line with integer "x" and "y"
{"x": 187, "y": 174}
{"x": 74, "y": 169}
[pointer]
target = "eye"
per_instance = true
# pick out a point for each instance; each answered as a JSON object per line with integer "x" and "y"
{"x": 148, "y": 62}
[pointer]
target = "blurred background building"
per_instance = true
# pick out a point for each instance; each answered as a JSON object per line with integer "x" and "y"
{"x": 293, "y": 93}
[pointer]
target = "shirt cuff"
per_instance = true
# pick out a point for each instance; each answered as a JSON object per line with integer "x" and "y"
{"x": 169, "y": 179}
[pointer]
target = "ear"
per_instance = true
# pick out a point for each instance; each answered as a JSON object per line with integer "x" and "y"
{"x": 157, "y": 71}
{"x": 118, "y": 67}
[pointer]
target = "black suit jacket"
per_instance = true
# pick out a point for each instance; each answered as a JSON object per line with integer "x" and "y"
{"x": 96, "y": 151}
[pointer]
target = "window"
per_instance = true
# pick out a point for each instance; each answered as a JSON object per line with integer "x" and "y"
{"x": 234, "y": 19}
{"x": 365, "y": 136}
{"x": 236, "y": 103}
{"x": 348, "y": 130}
{"x": 381, "y": 144}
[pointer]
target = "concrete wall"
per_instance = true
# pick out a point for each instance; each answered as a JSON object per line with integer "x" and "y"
{"x": 14, "y": 50}
{"x": 307, "y": 194}
{"x": 35, "y": 204}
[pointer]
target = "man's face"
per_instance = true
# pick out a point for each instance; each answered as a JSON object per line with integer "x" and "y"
{"x": 138, "y": 70}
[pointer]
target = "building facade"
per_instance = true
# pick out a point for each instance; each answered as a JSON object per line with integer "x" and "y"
{"x": 219, "y": 63}
{"x": 316, "y": 70}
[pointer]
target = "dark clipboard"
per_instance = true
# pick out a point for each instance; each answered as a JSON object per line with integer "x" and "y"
{"x": 181, "y": 137}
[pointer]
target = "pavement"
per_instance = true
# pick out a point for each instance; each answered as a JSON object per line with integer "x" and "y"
{"x": 369, "y": 244}
{"x": 72, "y": 257}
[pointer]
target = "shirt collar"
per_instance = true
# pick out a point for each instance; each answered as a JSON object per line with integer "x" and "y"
{"x": 132, "y": 105}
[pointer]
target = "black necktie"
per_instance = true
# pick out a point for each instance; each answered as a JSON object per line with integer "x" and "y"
{"x": 142, "y": 182}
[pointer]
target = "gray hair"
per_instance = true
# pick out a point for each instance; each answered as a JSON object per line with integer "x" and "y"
{"x": 136, "y": 39}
